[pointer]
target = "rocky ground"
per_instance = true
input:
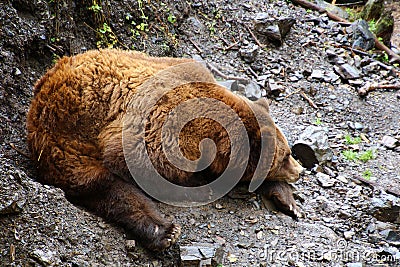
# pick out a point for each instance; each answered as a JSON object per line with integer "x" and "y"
{"x": 351, "y": 203}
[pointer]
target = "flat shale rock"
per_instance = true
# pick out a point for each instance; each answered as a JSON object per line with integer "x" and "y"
{"x": 347, "y": 72}
{"x": 201, "y": 254}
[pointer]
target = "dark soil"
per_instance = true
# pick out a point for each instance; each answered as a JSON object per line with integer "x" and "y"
{"x": 339, "y": 226}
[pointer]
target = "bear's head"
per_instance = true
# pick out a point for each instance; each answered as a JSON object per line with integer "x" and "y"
{"x": 284, "y": 167}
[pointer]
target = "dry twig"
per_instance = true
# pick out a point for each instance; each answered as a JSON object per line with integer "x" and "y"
{"x": 196, "y": 46}
{"x": 19, "y": 151}
{"x": 222, "y": 75}
{"x": 309, "y": 100}
{"x": 363, "y": 91}
{"x": 254, "y": 37}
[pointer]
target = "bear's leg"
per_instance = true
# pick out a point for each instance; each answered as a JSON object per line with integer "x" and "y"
{"x": 281, "y": 195}
{"x": 123, "y": 203}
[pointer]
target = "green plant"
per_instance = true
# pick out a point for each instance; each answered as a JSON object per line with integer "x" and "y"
{"x": 350, "y": 155}
{"x": 353, "y": 156}
{"x": 367, "y": 174}
{"x": 352, "y": 141}
{"x": 352, "y": 14}
{"x": 211, "y": 27}
{"x": 367, "y": 155}
{"x": 55, "y": 58}
{"x": 171, "y": 18}
{"x": 385, "y": 57}
{"x": 106, "y": 36}
{"x": 95, "y": 7}
{"x": 318, "y": 121}
{"x": 138, "y": 27}
{"x": 372, "y": 25}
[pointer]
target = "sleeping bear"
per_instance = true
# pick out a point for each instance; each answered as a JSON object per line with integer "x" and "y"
{"x": 105, "y": 125}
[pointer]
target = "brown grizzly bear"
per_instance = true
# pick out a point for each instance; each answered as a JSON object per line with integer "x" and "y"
{"x": 76, "y": 136}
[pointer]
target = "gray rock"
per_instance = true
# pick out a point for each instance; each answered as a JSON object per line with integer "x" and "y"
{"x": 347, "y": 72}
{"x": 325, "y": 180}
{"x": 332, "y": 8}
{"x": 390, "y": 142}
{"x": 312, "y": 147}
{"x": 348, "y": 235}
{"x": 227, "y": 84}
{"x": 392, "y": 237}
{"x": 363, "y": 38}
{"x": 386, "y": 208}
{"x": 330, "y": 76}
{"x": 275, "y": 30}
{"x": 201, "y": 254}
{"x": 249, "y": 88}
{"x": 249, "y": 53}
{"x": 317, "y": 74}
{"x": 354, "y": 264}
{"x": 273, "y": 89}
{"x": 13, "y": 208}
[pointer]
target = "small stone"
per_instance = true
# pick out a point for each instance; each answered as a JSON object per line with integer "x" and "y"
{"x": 347, "y": 72}
{"x": 218, "y": 206}
{"x": 325, "y": 180}
{"x": 348, "y": 235}
{"x": 297, "y": 110}
{"x": 393, "y": 237}
{"x": 274, "y": 30}
{"x": 260, "y": 234}
{"x": 358, "y": 126}
{"x": 249, "y": 53}
{"x": 201, "y": 254}
{"x": 331, "y": 77}
{"x": 389, "y": 142}
{"x": 342, "y": 179}
{"x": 386, "y": 208}
{"x": 363, "y": 38}
{"x": 17, "y": 72}
{"x": 317, "y": 74}
{"x": 130, "y": 244}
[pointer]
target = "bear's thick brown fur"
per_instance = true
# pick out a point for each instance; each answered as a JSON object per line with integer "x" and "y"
{"x": 75, "y": 136}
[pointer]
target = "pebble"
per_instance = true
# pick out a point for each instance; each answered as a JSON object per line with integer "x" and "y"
{"x": 389, "y": 142}
{"x": 325, "y": 180}
{"x": 348, "y": 235}
{"x": 347, "y": 72}
{"x": 342, "y": 179}
{"x": 317, "y": 74}
{"x": 130, "y": 244}
{"x": 218, "y": 206}
{"x": 249, "y": 53}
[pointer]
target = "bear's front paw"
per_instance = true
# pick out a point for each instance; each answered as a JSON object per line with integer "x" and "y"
{"x": 286, "y": 204}
{"x": 164, "y": 237}
{"x": 281, "y": 195}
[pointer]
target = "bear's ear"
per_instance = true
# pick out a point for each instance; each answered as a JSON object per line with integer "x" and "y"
{"x": 263, "y": 103}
